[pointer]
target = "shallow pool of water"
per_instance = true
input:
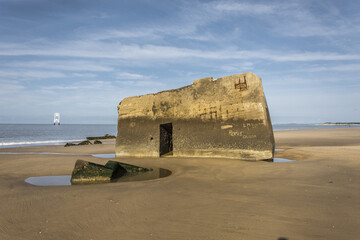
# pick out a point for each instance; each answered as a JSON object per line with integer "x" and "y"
{"x": 44, "y": 153}
{"x": 128, "y": 177}
{"x": 104, "y": 155}
{"x": 277, "y": 160}
{"x": 50, "y": 180}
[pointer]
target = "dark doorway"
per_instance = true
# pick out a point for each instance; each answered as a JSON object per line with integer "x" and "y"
{"x": 166, "y": 143}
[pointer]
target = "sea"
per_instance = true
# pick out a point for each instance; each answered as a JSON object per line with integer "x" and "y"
{"x": 23, "y": 135}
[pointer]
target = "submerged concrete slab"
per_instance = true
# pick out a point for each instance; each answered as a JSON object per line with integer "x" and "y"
{"x": 88, "y": 172}
{"x": 225, "y": 117}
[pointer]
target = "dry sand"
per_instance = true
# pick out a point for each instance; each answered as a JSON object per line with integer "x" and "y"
{"x": 315, "y": 197}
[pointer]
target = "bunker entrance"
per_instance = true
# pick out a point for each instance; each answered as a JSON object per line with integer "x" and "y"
{"x": 166, "y": 142}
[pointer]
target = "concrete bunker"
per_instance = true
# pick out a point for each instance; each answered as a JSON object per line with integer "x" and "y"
{"x": 226, "y": 117}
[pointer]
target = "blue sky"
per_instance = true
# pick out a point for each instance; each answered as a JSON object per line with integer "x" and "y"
{"x": 82, "y": 57}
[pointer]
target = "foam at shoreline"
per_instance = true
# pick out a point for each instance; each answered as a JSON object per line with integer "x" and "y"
{"x": 46, "y": 142}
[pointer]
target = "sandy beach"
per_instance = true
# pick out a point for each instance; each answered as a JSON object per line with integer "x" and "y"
{"x": 315, "y": 197}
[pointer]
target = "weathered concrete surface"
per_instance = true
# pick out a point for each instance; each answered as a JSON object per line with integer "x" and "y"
{"x": 224, "y": 117}
{"x": 87, "y": 172}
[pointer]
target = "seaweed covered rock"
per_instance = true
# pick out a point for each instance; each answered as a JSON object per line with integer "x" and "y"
{"x": 106, "y": 136}
{"x": 69, "y": 144}
{"x": 86, "y": 142}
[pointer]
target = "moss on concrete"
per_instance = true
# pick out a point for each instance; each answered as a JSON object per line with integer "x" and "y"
{"x": 87, "y": 172}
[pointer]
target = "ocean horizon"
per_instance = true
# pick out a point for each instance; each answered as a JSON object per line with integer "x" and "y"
{"x": 23, "y": 135}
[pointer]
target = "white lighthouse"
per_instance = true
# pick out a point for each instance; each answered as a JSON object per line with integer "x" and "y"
{"x": 57, "y": 118}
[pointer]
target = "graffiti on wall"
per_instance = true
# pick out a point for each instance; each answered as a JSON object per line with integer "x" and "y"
{"x": 241, "y": 85}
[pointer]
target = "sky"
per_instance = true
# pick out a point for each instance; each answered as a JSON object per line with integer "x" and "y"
{"x": 82, "y": 57}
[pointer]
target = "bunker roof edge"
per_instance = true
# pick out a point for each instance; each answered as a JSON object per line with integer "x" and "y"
{"x": 196, "y": 81}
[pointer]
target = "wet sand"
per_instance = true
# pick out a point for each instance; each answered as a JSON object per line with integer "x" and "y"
{"x": 315, "y": 197}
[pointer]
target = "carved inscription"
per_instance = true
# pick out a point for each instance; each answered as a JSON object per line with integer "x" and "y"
{"x": 213, "y": 113}
{"x": 235, "y": 133}
{"x": 240, "y": 110}
{"x": 252, "y": 125}
{"x": 249, "y": 136}
{"x": 203, "y": 115}
{"x": 209, "y": 114}
{"x": 241, "y": 85}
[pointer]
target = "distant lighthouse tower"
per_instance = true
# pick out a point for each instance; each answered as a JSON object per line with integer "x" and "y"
{"x": 57, "y": 118}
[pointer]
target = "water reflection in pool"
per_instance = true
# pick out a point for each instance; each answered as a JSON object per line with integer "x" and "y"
{"x": 142, "y": 176}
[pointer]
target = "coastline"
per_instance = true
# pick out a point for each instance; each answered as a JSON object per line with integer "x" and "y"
{"x": 314, "y": 197}
{"x": 29, "y": 135}
{"x": 340, "y": 124}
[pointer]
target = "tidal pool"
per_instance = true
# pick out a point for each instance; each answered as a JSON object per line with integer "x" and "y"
{"x": 43, "y": 153}
{"x": 104, "y": 155}
{"x": 50, "y": 180}
{"x": 277, "y": 160}
{"x": 127, "y": 177}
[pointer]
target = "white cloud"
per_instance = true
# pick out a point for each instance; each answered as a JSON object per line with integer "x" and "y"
{"x": 67, "y": 65}
{"x": 133, "y": 76}
{"x": 136, "y": 80}
{"x": 302, "y": 23}
{"x": 339, "y": 68}
{"x": 243, "y": 7}
{"x": 298, "y": 45}
{"x": 21, "y": 74}
{"x": 242, "y": 66}
{"x": 299, "y": 20}
{"x": 7, "y": 87}
{"x": 83, "y": 87}
{"x": 119, "y": 34}
{"x": 60, "y": 88}
{"x": 101, "y": 16}
{"x": 291, "y": 19}
{"x": 199, "y": 37}
{"x": 96, "y": 85}
{"x": 140, "y": 83}
{"x": 88, "y": 75}
{"x": 93, "y": 49}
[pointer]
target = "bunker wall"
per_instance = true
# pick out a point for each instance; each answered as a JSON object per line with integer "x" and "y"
{"x": 226, "y": 117}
